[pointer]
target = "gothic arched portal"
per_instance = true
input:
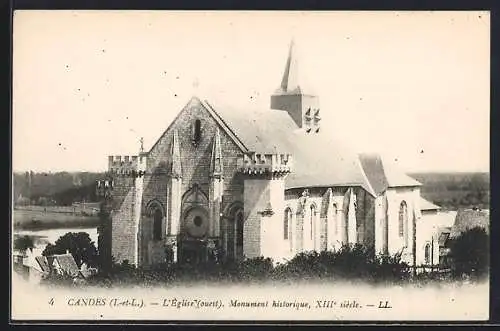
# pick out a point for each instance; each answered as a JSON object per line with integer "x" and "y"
{"x": 157, "y": 224}
{"x": 234, "y": 233}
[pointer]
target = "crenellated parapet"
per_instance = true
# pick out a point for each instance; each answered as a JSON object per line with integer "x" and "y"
{"x": 127, "y": 165}
{"x": 262, "y": 164}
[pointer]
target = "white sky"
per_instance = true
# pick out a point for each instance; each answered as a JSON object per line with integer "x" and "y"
{"x": 90, "y": 84}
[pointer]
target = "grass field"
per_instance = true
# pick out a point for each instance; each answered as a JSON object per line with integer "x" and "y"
{"x": 40, "y": 219}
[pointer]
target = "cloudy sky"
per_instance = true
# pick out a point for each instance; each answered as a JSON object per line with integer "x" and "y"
{"x": 413, "y": 86}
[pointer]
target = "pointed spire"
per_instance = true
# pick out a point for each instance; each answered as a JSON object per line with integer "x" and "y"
{"x": 290, "y": 76}
{"x": 216, "y": 166}
{"x": 175, "y": 153}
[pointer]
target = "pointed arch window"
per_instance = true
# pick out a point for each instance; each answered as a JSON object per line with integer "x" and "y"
{"x": 239, "y": 231}
{"x": 157, "y": 224}
{"x": 334, "y": 218}
{"x": 427, "y": 253}
{"x": 287, "y": 226}
{"x": 403, "y": 220}
{"x": 196, "y": 132}
{"x": 312, "y": 215}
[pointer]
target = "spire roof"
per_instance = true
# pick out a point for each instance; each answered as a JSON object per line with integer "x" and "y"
{"x": 290, "y": 81}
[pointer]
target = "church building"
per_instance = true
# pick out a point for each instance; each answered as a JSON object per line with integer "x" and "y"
{"x": 222, "y": 183}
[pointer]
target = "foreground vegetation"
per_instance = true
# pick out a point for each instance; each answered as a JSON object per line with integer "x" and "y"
{"x": 353, "y": 263}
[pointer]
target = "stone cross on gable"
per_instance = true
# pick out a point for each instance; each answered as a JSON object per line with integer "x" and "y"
{"x": 142, "y": 144}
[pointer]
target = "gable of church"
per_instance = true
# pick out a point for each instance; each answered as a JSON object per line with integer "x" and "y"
{"x": 196, "y": 128}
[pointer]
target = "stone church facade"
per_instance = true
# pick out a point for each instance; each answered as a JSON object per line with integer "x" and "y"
{"x": 222, "y": 183}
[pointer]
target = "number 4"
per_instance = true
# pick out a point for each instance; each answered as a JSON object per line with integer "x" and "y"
{"x": 51, "y": 301}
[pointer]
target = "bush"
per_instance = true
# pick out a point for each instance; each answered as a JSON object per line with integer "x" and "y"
{"x": 350, "y": 262}
{"x": 469, "y": 253}
{"x": 78, "y": 244}
{"x": 390, "y": 268}
{"x": 255, "y": 269}
{"x": 23, "y": 243}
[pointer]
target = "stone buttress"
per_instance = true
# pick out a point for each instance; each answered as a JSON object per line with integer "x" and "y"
{"x": 264, "y": 203}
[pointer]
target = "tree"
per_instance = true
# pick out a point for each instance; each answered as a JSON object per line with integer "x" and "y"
{"x": 78, "y": 244}
{"x": 469, "y": 253}
{"x": 23, "y": 243}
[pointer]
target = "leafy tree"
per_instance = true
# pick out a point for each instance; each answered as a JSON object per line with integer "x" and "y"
{"x": 469, "y": 253}
{"x": 78, "y": 244}
{"x": 23, "y": 243}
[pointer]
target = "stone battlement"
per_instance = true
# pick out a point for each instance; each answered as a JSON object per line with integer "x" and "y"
{"x": 255, "y": 164}
{"x": 127, "y": 164}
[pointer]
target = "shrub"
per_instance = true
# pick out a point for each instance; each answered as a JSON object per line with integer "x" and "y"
{"x": 469, "y": 253}
{"x": 349, "y": 262}
{"x": 255, "y": 269}
{"x": 23, "y": 243}
{"x": 354, "y": 261}
{"x": 389, "y": 268}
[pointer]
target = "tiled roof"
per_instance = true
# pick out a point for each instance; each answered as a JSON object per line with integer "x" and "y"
{"x": 469, "y": 218}
{"x": 321, "y": 161}
{"x": 444, "y": 234}
{"x": 383, "y": 175}
{"x": 374, "y": 170}
{"x": 427, "y": 205}
{"x": 67, "y": 263}
{"x": 43, "y": 263}
{"x": 318, "y": 160}
{"x": 262, "y": 131}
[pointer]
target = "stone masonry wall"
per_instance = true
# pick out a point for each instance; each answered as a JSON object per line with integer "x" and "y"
{"x": 195, "y": 159}
{"x": 123, "y": 226}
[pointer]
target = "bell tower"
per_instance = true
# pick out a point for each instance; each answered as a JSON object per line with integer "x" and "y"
{"x": 301, "y": 104}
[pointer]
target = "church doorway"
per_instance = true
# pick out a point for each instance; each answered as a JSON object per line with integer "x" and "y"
{"x": 193, "y": 245}
{"x": 234, "y": 235}
{"x": 193, "y": 251}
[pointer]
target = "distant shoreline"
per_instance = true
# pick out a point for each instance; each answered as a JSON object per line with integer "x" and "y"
{"x": 56, "y": 226}
{"x": 38, "y": 220}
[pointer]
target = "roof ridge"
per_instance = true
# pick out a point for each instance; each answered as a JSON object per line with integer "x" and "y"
{"x": 220, "y": 118}
{"x": 365, "y": 178}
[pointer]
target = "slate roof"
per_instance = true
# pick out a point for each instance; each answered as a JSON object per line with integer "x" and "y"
{"x": 444, "y": 235}
{"x": 427, "y": 205}
{"x": 67, "y": 263}
{"x": 274, "y": 131}
{"x": 382, "y": 175}
{"x": 263, "y": 131}
{"x": 43, "y": 263}
{"x": 469, "y": 218}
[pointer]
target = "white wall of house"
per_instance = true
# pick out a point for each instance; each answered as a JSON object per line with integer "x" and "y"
{"x": 428, "y": 233}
